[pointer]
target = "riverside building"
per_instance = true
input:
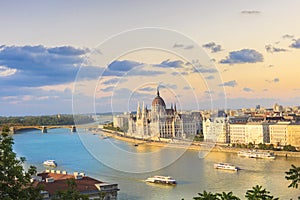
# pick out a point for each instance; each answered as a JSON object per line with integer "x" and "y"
{"x": 216, "y": 130}
{"x": 161, "y": 122}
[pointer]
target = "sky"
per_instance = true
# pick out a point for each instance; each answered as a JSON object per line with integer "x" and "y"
{"x": 103, "y": 56}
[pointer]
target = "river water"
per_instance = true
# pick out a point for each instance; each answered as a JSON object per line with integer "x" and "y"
{"x": 82, "y": 152}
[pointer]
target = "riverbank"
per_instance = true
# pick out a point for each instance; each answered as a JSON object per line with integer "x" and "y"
{"x": 196, "y": 146}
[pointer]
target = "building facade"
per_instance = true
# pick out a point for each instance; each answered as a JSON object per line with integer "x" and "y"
{"x": 293, "y": 136}
{"x": 251, "y": 132}
{"x": 279, "y": 133}
{"x": 216, "y": 130}
{"x": 257, "y": 133}
{"x": 121, "y": 121}
{"x": 161, "y": 122}
{"x": 237, "y": 133}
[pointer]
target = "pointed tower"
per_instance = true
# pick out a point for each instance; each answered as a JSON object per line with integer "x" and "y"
{"x": 144, "y": 111}
{"x": 138, "y": 112}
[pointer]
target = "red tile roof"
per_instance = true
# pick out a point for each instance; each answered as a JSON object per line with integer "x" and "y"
{"x": 84, "y": 185}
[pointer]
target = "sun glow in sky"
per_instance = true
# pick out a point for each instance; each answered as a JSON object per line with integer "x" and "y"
{"x": 253, "y": 48}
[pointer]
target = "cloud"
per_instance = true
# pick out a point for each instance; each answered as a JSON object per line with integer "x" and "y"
{"x": 178, "y": 45}
{"x": 272, "y": 49}
{"x": 128, "y": 68}
{"x": 168, "y": 63}
{"x": 243, "y": 56}
{"x": 275, "y": 80}
{"x": 5, "y": 71}
{"x": 232, "y": 83}
{"x": 199, "y": 68}
{"x": 189, "y": 47}
{"x": 213, "y": 47}
{"x": 296, "y": 44}
{"x": 287, "y": 36}
{"x": 110, "y": 81}
{"x": 34, "y": 66}
{"x": 107, "y": 89}
{"x": 147, "y": 89}
{"x": 187, "y": 88}
{"x": 172, "y": 86}
{"x": 183, "y": 46}
{"x": 246, "y": 89}
{"x": 210, "y": 77}
{"x": 114, "y": 81}
{"x": 179, "y": 73}
{"x": 67, "y": 50}
{"x": 123, "y": 65}
{"x": 250, "y": 12}
{"x": 209, "y": 92}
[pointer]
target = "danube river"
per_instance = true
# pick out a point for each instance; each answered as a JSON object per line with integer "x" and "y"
{"x": 192, "y": 173}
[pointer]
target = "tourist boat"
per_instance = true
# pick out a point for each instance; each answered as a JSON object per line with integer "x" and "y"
{"x": 226, "y": 166}
{"x": 50, "y": 163}
{"x": 161, "y": 179}
{"x": 256, "y": 154}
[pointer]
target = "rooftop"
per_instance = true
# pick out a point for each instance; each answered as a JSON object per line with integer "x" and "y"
{"x": 58, "y": 181}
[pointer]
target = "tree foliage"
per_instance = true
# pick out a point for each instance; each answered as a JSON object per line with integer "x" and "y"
{"x": 294, "y": 175}
{"x": 45, "y": 120}
{"x": 206, "y": 196}
{"x": 258, "y": 193}
{"x": 15, "y": 182}
{"x": 227, "y": 196}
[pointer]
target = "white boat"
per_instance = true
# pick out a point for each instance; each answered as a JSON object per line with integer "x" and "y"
{"x": 161, "y": 179}
{"x": 256, "y": 154}
{"x": 226, "y": 166}
{"x": 50, "y": 163}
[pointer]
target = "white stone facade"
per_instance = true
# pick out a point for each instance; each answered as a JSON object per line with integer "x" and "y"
{"x": 216, "y": 130}
{"x": 160, "y": 122}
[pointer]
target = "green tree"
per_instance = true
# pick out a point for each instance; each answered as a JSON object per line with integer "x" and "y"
{"x": 251, "y": 145}
{"x": 258, "y": 193}
{"x": 15, "y": 182}
{"x": 227, "y": 196}
{"x": 289, "y": 148}
{"x": 71, "y": 193}
{"x": 206, "y": 196}
{"x": 294, "y": 175}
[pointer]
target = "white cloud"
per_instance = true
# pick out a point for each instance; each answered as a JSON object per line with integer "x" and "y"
{"x": 5, "y": 71}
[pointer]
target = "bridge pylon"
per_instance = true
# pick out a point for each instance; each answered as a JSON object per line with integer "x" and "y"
{"x": 12, "y": 130}
{"x": 73, "y": 129}
{"x": 44, "y": 129}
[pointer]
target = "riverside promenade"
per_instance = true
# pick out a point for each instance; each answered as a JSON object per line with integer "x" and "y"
{"x": 197, "y": 146}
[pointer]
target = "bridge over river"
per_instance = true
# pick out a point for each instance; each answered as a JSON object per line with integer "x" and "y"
{"x": 44, "y": 129}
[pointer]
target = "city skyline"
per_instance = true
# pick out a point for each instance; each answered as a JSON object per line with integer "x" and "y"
{"x": 253, "y": 48}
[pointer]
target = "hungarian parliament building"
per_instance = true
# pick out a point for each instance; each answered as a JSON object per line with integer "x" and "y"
{"x": 160, "y": 122}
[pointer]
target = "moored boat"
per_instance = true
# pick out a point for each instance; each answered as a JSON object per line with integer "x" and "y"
{"x": 162, "y": 180}
{"x": 226, "y": 166}
{"x": 50, "y": 163}
{"x": 256, "y": 154}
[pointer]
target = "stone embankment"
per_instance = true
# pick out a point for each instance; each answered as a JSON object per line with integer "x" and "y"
{"x": 197, "y": 146}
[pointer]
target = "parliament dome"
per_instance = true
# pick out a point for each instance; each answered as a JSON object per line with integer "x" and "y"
{"x": 158, "y": 101}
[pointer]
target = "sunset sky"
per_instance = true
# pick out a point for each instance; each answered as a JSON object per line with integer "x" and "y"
{"x": 95, "y": 56}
